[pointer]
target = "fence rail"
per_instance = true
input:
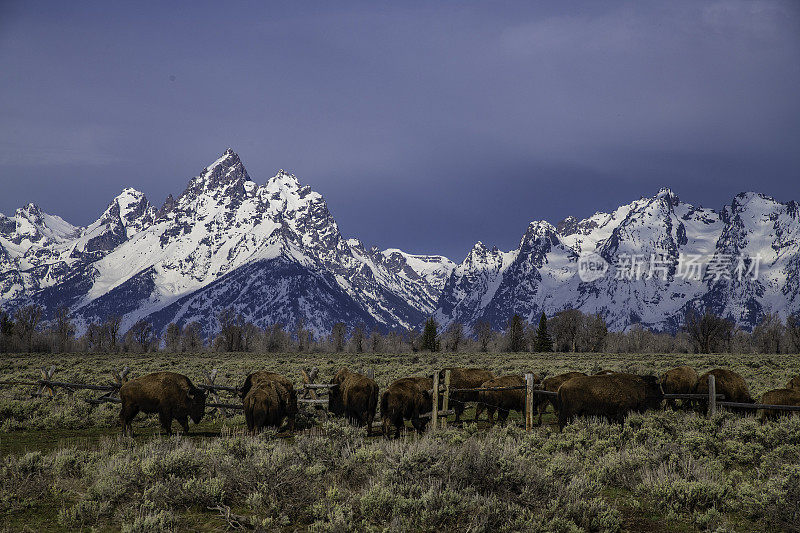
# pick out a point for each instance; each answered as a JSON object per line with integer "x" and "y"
{"x": 442, "y": 395}
{"x": 757, "y": 406}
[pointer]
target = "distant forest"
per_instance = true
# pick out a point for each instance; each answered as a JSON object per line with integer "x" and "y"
{"x": 568, "y": 331}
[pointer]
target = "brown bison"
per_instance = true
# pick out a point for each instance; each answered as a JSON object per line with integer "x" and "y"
{"x": 356, "y": 397}
{"x": 681, "y": 380}
{"x": 552, "y": 384}
{"x": 264, "y": 376}
{"x": 794, "y": 383}
{"x": 611, "y": 396}
{"x": 779, "y": 397}
{"x": 171, "y": 395}
{"x": 406, "y": 399}
{"x": 464, "y": 378}
{"x": 504, "y": 401}
{"x": 266, "y": 404}
{"x": 729, "y": 383}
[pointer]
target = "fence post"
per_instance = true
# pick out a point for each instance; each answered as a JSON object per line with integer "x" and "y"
{"x": 446, "y": 398}
{"x": 371, "y": 373}
{"x": 712, "y": 395}
{"x": 47, "y": 375}
{"x": 210, "y": 378}
{"x": 528, "y": 401}
{"x": 435, "y": 409}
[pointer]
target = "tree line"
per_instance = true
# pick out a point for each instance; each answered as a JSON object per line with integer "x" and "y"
{"x": 567, "y": 331}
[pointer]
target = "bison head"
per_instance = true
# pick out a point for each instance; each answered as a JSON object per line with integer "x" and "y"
{"x": 653, "y": 391}
{"x": 196, "y": 399}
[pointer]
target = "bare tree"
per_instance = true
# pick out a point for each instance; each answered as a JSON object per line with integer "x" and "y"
{"x": 231, "y": 324}
{"x": 94, "y": 338}
{"x": 453, "y": 336}
{"x": 275, "y": 338}
{"x": 172, "y": 338}
{"x": 250, "y": 333}
{"x": 565, "y": 327}
{"x": 793, "y": 331}
{"x": 394, "y": 342}
{"x": 357, "y": 339}
{"x": 302, "y": 335}
{"x": 192, "y": 337}
{"x": 6, "y": 332}
{"x": 141, "y": 333}
{"x": 768, "y": 334}
{"x": 593, "y": 333}
{"x": 338, "y": 332}
{"x": 64, "y": 330}
{"x": 708, "y": 333}
{"x": 111, "y": 328}
{"x": 26, "y": 322}
{"x": 484, "y": 332}
{"x": 375, "y": 341}
{"x": 741, "y": 342}
{"x": 412, "y": 335}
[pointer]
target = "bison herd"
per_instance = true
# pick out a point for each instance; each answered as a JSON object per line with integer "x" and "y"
{"x": 269, "y": 398}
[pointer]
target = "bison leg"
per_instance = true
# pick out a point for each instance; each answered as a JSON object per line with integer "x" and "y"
{"x": 126, "y": 415}
{"x": 370, "y": 418}
{"x": 563, "y": 418}
{"x": 166, "y": 422}
{"x": 502, "y": 416}
{"x": 479, "y": 409}
{"x": 184, "y": 422}
{"x": 248, "y": 418}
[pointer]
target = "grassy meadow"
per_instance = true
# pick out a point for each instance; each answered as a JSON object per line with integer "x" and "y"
{"x": 65, "y": 467}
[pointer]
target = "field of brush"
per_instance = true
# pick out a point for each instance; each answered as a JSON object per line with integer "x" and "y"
{"x": 64, "y": 467}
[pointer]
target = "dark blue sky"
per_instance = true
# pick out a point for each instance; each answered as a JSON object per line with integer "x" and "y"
{"x": 427, "y": 126}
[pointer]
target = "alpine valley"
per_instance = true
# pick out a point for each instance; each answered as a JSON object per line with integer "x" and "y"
{"x": 274, "y": 254}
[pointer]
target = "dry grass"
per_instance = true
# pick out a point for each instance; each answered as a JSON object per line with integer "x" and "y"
{"x": 661, "y": 471}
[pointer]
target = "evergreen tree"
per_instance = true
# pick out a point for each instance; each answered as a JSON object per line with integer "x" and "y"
{"x": 429, "y": 341}
{"x": 516, "y": 334}
{"x": 543, "y": 342}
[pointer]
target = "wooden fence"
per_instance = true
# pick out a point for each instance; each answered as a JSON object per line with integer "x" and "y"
{"x": 315, "y": 394}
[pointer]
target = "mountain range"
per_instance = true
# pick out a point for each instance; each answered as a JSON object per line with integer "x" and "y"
{"x": 274, "y": 253}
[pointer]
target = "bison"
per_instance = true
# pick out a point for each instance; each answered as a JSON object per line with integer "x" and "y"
{"x": 794, "y": 383}
{"x": 171, "y": 395}
{"x": 356, "y": 397}
{"x": 266, "y": 404}
{"x": 681, "y": 380}
{"x": 502, "y": 401}
{"x": 262, "y": 376}
{"x": 406, "y": 399}
{"x": 465, "y": 378}
{"x": 552, "y": 384}
{"x": 727, "y": 382}
{"x": 779, "y": 397}
{"x": 612, "y": 396}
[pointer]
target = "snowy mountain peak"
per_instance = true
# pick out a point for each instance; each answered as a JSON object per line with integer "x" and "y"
{"x": 274, "y": 253}
{"x": 33, "y": 224}
{"x": 283, "y": 180}
{"x": 226, "y": 176}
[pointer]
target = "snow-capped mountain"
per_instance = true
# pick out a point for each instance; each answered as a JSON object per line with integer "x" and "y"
{"x": 651, "y": 246}
{"x": 274, "y": 253}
